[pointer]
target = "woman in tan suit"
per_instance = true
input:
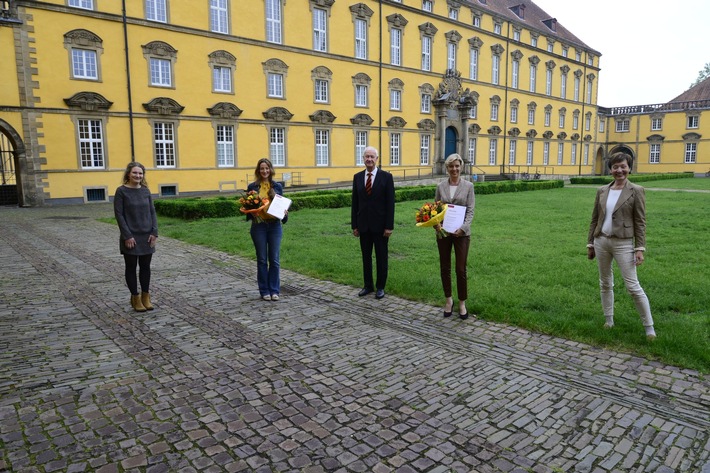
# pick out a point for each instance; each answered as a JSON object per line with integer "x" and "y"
{"x": 456, "y": 191}
{"x": 618, "y": 232}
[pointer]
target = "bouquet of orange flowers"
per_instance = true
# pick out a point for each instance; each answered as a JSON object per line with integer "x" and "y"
{"x": 430, "y": 214}
{"x": 252, "y": 203}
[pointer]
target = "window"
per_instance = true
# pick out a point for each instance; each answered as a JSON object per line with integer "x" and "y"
{"x": 395, "y": 149}
{"x": 494, "y": 112}
{"x": 492, "y": 151}
{"x": 515, "y": 75}
{"x": 84, "y": 64}
{"x": 548, "y": 82}
{"x": 550, "y": 46}
{"x": 575, "y": 119}
{"x": 360, "y": 38}
{"x": 360, "y": 145}
{"x": 588, "y": 121}
{"x": 164, "y": 144}
{"x": 531, "y": 115}
{"x": 655, "y": 153}
{"x": 622, "y": 125}
{"x": 565, "y": 51}
{"x": 473, "y": 69}
{"x": 474, "y": 112}
{"x": 321, "y": 91}
{"x": 85, "y": 4}
{"x": 562, "y": 119}
{"x": 277, "y": 146}
{"x": 395, "y": 99}
{"x": 320, "y": 30}
{"x": 656, "y": 124}
{"x": 360, "y": 95}
{"x": 219, "y": 16}
{"x": 548, "y": 116}
{"x": 322, "y": 148}
{"x": 601, "y": 126}
{"x": 546, "y": 153}
{"x": 95, "y": 194}
{"x": 586, "y": 154}
{"x": 453, "y": 13}
{"x": 275, "y": 85}
{"x": 426, "y": 103}
{"x": 560, "y": 153}
{"x": 426, "y": 53}
{"x": 424, "y": 150}
{"x": 533, "y": 77}
{"x": 513, "y": 113}
{"x": 590, "y": 89}
{"x": 529, "y": 154}
{"x": 516, "y": 35}
{"x": 497, "y": 28}
{"x": 573, "y": 156}
{"x": 476, "y": 20}
{"x": 691, "y": 151}
{"x": 533, "y": 41}
{"x": 91, "y": 143}
{"x": 156, "y": 10}
{"x": 225, "y": 146}
{"x": 513, "y": 145}
{"x": 590, "y": 60}
{"x": 578, "y": 55}
{"x": 160, "y": 74}
{"x": 451, "y": 56}
{"x": 273, "y": 22}
{"x": 693, "y": 121}
{"x": 495, "y": 69}
{"x": 396, "y": 47}
{"x": 427, "y": 5}
{"x": 222, "y": 79}
{"x": 563, "y": 85}
{"x": 472, "y": 150}
{"x": 576, "y": 88}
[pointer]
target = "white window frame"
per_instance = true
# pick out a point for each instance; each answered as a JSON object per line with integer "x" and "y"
{"x": 495, "y": 69}
{"x": 424, "y": 149}
{"x": 84, "y": 4}
{"x": 529, "y": 153}
{"x": 563, "y": 85}
{"x": 361, "y": 141}
{"x": 275, "y": 81}
{"x": 477, "y": 21}
{"x": 531, "y": 116}
{"x": 90, "y": 135}
{"x": 492, "y": 151}
{"x": 586, "y": 154}
{"x": 160, "y": 72}
{"x": 573, "y": 154}
{"x": 656, "y": 124}
{"x": 453, "y": 13}
{"x": 222, "y": 79}
{"x": 425, "y": 106}
{"x": 533, "y": 77}
{"x": 545, "y": 153}
{"x": 277, "y": 146}
{"x": 164, "y": 145}
{"x": 575, "y": 121}
{"x": 562, "y": 120}
{"x": 548, "y": 117}
{"x": 320, "y": 92}
{"x": 654, "y": 153}
{"x": 274, "y": 21}
{"x": 396, "y": 46}
{"x": 225, "y": 145}
{"x": 320, "y": 30}
{"x": 512, "y": 151}
{"x": 623, "y": 125}
{"x": 560, "y": 153}
{"x": 515, "y": 80}
{"x": 590, "y": 89}
{"x": 156, "y": 10}
{"x": 513, "y": 114}
{"x": 361, "y": 95}
{"x": 426, "y": 52}
{"x": 396, "y": 100}
{"x": 693, "y": 122}
{"x": 494, "y": 112}
{"x": 322, "y": 145}
{"x": 691, "y": 153}
{"x": 548, "y": 82}
{"x": 497, "y": 28}
{"x": 395, "y": 148}
{"x": 427, "y": 5}
{"x": 219, "y": 16}
{"x": 587, "y": 122}
{"x": 576, "y": 89}
{"x": 473, "y": 69}
{"x": 360, "y": 38}
{"x": 451, "y": 55}
{"x": 472, "y": 142}
{"x": 85, "y": 64}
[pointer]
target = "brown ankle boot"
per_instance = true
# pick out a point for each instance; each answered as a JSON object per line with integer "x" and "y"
{"x": 145, "y": 299}
{"x": 137, "y": 304}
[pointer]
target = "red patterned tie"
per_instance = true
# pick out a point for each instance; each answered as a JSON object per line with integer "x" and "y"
{"x": 368, "y": 184}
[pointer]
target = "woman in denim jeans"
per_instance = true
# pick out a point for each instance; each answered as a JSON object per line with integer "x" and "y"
{"x": 618, "y": 232}
{"x": 266, "y": 232}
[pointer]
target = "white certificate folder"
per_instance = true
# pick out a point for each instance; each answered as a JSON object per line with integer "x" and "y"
{"x": 279, "y": 206}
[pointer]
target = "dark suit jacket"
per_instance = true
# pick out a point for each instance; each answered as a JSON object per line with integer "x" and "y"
{"x": 373, "y": 213}
{"x": 628, "y": 219}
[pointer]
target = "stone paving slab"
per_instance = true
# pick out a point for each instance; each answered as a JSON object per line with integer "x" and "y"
{"x": 216, "y": 379}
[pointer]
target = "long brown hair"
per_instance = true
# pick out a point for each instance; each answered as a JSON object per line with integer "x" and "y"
{"x": 127, "y": 174}
{"x": 257, "y": 175}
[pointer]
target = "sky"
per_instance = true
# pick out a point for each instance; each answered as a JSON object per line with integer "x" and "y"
{"x": 652, "y": 50}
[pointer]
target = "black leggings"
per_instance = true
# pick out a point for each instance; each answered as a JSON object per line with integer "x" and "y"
{"x": 143, "y": 261}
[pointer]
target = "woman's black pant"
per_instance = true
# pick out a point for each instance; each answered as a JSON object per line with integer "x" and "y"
{"x": 143, "y": 263}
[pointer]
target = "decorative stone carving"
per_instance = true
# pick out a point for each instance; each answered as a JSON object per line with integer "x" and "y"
{"x": 361, "y": 10}
{"x": 548, "y": 134}
{"x": 562, "y": 135}
{"x": 453, "y": 36}
{"x": 516, "y": 55}
{"x": 474, "y": 128}
{"x": 656, "y": 137}
{"x": 321, "y": 72}
{"x": 164, "y": 106}
{"x": 361, "y": 78}
{"x": 550, "y": 64}
{"x": 692, "y": 136}
{"x": 428, "y": 29}
{"x": 222, "y": 57}
{"x": 274, "y": 65}
{"x": 451, "y": 91}
{"x": 396, "y": 122}
{"x": 515, "y": 131}
{"x": 362, "y": 119}
{"x": 396, "y": 20}
{"x": 88, "y": 101}
{"x": 278, "y": 114}
{"x": 494, "y": 130}
{"x": 574, "y": 137}
{"x": 497, "y": 49}
{"x": 427, "y": 124}
{"x": 587, "y": 138}
{"x": 160, "y": 49}
{"x": 225, "y": 110}
{"x": 322, "y": 117}
{"x": 534, "y": 60}
{"x": 475, "y": 42}
{"x": 564, "y": 69}
{"x": 323, "y": 3}
{"x": 81, "y": 37}
{"x": 532, "y": 133}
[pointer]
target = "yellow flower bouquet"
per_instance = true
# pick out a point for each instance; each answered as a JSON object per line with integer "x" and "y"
{"x": 430, "y": 214}
{"x": 252, "y": 203}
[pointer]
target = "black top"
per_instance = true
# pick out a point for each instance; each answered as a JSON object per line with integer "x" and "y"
{"x": 135, "y": 214}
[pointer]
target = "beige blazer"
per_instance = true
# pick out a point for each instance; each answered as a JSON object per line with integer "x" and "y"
{"x": 464, "y": 196}
{"x": 628, "y": 219}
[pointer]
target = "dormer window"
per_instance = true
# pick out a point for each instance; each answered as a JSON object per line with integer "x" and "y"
{"x": 519, "y": 10}
{"x": 551, "y": 23}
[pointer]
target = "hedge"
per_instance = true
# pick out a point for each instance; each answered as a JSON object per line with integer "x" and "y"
{"x": 191, "y": 208}
{"x": 632, "y": 177}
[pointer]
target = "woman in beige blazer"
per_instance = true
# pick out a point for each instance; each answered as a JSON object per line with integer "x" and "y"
{"x": 456, "y": 191}
{"x": 618, "y": 232}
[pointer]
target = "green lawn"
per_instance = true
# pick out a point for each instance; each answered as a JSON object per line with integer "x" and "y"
{"x": 527, "y": 266}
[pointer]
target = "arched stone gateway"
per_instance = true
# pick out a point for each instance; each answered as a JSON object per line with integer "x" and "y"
{"x": 453, "y": 107}
{"x": 14, "y": 182}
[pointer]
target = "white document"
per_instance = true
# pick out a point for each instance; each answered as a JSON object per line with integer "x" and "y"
{"x": 278, "y": 207}
{"x": 453, "y": 218}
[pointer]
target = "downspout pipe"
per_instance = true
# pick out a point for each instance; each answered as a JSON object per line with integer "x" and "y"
{"x": 128, "y": 81}
{"x": 379, "y": 70}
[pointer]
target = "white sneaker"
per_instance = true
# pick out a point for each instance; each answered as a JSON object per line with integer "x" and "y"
{"x": 275, "y": 297}
{"x": 266, "y": 297}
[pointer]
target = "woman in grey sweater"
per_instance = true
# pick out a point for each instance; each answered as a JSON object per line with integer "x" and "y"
{"x": 135, "y": 214}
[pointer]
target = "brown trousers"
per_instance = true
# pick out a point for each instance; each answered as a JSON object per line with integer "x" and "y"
{"x": 460, "y": 246}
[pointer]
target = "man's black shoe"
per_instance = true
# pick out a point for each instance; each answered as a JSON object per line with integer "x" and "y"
{"x": 380, "y": 294}
{"x": 364, "y": 291}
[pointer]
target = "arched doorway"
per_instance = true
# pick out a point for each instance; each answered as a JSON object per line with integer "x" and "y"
{"x": 451, "y": 141}
{"x": 12, "y": 153}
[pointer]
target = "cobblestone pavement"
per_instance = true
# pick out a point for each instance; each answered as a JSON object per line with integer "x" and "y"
{"x": 216, "y": 379}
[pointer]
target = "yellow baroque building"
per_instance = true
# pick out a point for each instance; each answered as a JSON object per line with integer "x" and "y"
{"x": 198, "y": 91}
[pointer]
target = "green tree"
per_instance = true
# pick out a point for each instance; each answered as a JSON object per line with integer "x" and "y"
{"x": 703, "y": 74}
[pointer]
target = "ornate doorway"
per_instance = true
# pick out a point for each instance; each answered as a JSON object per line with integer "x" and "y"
{"x": 451, "y": 141}
{"x": 8, "y": 178}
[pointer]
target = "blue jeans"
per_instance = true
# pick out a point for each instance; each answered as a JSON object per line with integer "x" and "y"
{"x": 267, "y": 242}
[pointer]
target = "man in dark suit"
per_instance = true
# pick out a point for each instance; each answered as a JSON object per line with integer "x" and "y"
{"x": 372, "y": 219}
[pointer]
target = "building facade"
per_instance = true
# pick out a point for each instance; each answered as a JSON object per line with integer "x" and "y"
{"x": 198, "y": 91}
